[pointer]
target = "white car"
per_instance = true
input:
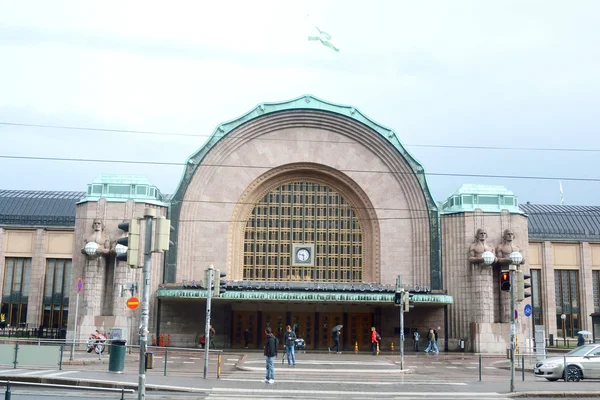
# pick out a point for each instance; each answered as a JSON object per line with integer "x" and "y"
{"x": 582, "y": 363}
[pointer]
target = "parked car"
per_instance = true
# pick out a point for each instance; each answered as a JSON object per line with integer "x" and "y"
{"x": 582, "y": 363}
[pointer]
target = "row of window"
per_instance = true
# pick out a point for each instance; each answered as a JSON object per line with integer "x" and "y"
{"x": 567, "y": 296}
{"x": 15, "y": 292}
{"x": 303, "y": 212}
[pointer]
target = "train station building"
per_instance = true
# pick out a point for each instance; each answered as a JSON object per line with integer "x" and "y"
{"x": 313, "y": 211}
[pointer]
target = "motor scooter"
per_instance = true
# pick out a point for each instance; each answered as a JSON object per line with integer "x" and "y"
{"x": 96, "y": 342}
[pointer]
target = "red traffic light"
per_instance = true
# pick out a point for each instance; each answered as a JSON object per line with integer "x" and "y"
{"x": 505, "y": 281}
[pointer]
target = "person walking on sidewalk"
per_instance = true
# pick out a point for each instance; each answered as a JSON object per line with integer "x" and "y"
{"x": 270, "y": 352}
{"x": 374, "y": 340}
{"x": 289, "y": 338}
{"x": 416, "y": 337}
{"x": 336, "y": 341}
{"x": 432, "y": 346}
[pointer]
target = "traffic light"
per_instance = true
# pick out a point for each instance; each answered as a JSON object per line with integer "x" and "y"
{"x": 162, "y": 234}
{"x": 220, "y": 283}
{"x": 407, "y": 298}
{"x": 522, "y": 285}
{"x": 131, "y": 241}
{"x": 505, "y": 281}
{"x": 399, "y": 297}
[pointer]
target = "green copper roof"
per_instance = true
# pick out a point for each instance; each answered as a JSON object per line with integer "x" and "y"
{"x": 121, "y": 188}
{"x": 488, "y": 198}
{"x": 327, "y": 297}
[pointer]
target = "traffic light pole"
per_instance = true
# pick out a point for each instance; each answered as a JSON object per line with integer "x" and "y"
{"x": 148, "y": 214}
{"x": 513, "y": 270}
{"x": 209, "y": 278}
{"x": 402, "y": 332}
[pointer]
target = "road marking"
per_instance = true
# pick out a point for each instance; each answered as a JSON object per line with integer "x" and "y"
{"x": 34, "y": 372}
{"x": 452, "y": 367}
{"x": 196, "y": 358}
{"x": 268, "y": 390}
{"x": 372, "y": 383}
{"x": 232, "y": 359}
{"x": 189, "y": 362}
{"x": 175, "y": 358}
{"x": 62, "y": 373}
{"x": 328, "y": 362}
{"x": 318, "y": 370}
{"x": 229, "y": 364}
{"x": 10, "y": 370}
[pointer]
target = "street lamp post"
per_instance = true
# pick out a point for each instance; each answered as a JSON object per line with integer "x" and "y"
{"x": 516, "y": 259}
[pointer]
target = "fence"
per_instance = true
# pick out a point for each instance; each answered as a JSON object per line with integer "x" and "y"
{"x": 26, "y": 355}
{"x": 42, "y": 333}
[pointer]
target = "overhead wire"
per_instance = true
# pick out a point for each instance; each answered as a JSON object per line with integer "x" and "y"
{"x": 528, "y": 177}
{"x": 192, "y": 135}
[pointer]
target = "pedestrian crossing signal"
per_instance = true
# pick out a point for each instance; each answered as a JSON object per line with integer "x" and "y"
{"x": 505, "y": 281}
{"x": 398, "y": 298}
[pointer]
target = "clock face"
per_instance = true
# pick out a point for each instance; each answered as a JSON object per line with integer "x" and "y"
{"x": 302, "y": 255}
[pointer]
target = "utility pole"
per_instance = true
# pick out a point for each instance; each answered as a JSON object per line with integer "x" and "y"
{"x": 513, "y": 270}
{"x": 402, "y": 331}
{"x": 149, "y": 213}
{"x": 400, "y": 299}
{"x": 209, "y": 279}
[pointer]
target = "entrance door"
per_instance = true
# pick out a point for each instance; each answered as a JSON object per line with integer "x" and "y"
{"x": 360, "y": 330}
{"x": 326, "y": 323}
{"x": 304, "y": 326}
{"x": 276, "y": 320}
{"x": 243, "y": 320}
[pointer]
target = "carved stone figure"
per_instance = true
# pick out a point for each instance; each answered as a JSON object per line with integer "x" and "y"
{"x": 99, "y": 237}
{"x": 506, "y": 247}
{"x": 478, "y": 247}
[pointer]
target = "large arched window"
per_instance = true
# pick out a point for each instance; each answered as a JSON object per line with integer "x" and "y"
{"x": 303, "y": 213}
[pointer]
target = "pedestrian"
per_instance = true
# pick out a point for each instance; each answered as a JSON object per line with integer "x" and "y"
{"x": 416, "y": 337}
{"x": 211, "y": 335}
{"x": 270, "y": 353}
{"x": 432, "y": 346}
{"x": 289, "y": 338}
{"x": 374, "y": 340}
{"x": 246, "y": 337}
{"x": 435, "y": 337}
{"x": 580, "y": 340}
{"x": 336, "y": 341}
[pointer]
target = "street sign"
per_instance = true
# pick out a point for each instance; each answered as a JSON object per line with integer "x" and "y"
{"x": 133, "y": 303}
{"x": 516, "y": 314}
{"x": 79, "y": 285}
{"x": 527, "y": 310}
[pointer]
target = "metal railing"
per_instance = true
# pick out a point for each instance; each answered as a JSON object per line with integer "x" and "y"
{"x": 44, "y": 333}
{"x": 50, "y": 353}
{"x": 8, "y": 393}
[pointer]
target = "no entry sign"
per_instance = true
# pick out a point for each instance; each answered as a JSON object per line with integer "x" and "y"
{"x": 133, "y": 303}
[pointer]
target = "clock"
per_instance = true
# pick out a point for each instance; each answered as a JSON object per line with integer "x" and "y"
{"x": 302, "y": 255}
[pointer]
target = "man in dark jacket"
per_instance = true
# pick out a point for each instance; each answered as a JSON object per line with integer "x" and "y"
{"x": 270, "y": 352}
{"x": 289, "y": 338}
{"x": 336, "y": 342}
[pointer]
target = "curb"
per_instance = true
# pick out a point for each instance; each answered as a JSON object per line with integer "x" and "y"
{"x": 590, "y": 394}
{"x": 104, "y": 384}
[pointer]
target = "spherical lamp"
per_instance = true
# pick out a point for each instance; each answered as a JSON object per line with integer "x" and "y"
{"x": 91, "y": 248}
{"x": 488, "y": 257}
{"x": 516, "y": 258}
{"x": 120, "y": 249}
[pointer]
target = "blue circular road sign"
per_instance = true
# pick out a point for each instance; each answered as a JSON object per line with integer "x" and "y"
{"x": 527, "y": 310}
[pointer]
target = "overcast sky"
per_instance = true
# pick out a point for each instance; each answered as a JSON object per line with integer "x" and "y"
{"x": 473, "y": 73}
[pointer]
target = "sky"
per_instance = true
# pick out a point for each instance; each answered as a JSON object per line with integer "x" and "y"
{"x": 520, "y": 75}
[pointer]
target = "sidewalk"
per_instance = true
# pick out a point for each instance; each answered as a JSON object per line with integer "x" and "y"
{"x": 242, "y": 375}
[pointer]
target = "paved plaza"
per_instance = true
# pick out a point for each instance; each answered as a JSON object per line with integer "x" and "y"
{"x": 316, "y": 375}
